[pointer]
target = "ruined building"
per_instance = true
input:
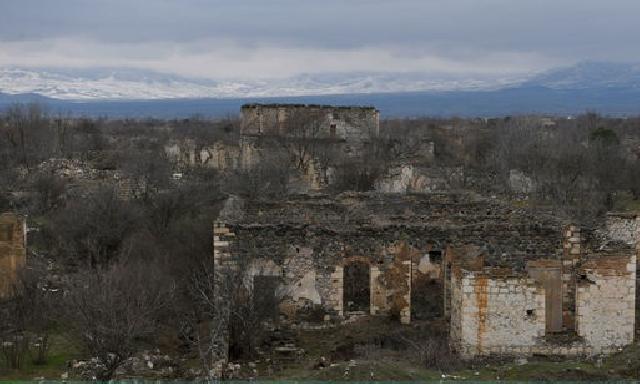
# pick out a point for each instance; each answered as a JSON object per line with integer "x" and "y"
{"x": 582, "y": 303}
{"x": 347, "y": 123}
{"x": 13, "y": 250}
{"x": 511, "y": 281}
{"x": 306, "y": 135}
{"x": 369, "y": 254}
{"x": 347, "y": 126}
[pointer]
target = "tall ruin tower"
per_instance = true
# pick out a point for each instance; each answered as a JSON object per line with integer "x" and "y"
{"x": 317, "y": 121}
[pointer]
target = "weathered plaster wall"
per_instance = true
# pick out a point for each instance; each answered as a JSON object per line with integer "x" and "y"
{"x": 487, "y": 309}
{"x": 496, "y": 314}
{"x": 13, "y": 250}
{"x": 311, "y": 263}
{"x": 605, "y": 301}
{"x": 402, "y": 239}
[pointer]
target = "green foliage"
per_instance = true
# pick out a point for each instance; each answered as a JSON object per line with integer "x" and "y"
{"x": 604, "y": 136}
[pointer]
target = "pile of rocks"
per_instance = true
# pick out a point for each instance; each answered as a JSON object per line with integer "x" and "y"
{"x": 146, "y": 364}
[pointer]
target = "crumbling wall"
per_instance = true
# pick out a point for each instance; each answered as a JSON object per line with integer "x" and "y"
{"x": 486, "y": 316}
{"x": 312, "y": 263}
{"x": 225, "y": 265}
{"x": 520, "y": 183}
{"x": 408, "y": 178}
{"x": 571, "y": 256}
{"x": 427, "y": 283}
{"x": 623, "y": 227}
{"x": 13, "y": 250}
{"x": 605, "y": 301}
{"x": 353, "y": 124}
{"x": 219, "y": 155}
{"x": 494, "y": 314}
{"x": 506, "y": 235}
{"x": 401, "y": 238}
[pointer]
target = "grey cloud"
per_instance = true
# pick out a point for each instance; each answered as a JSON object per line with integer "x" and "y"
{"x": 562, "y": 30}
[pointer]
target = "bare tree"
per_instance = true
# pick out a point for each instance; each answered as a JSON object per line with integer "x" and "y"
{"x": 203, "y": 323}
{"x": 91, "y": 231}
{"x": 303, "y": 131}
{"x": 114, "y": 309}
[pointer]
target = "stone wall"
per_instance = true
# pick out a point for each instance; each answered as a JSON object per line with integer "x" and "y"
{"x": 494, "y": 314}
{"x": 352, "y": 124}
{"x": 370, "y": 221}
{"x": 13, "y": 250}
{"x": 571, "y": 256}
{"x": 224, "y": 268}
{"x": 424, "y": 251}
{"x": 311, "y": 263}
{"x": 605, "y": 301}
{"x": 623, "y": 227}
{"x": 520, "y": 183}
{"x": 408, "y": 178}
{"x": 219, "y": 155}
{"x": 402, "y": 239}
{"x": 502, "y": 312}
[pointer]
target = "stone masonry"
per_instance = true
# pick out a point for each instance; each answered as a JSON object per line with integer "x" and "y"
{"x": 419, "y": 256}
{"x": 13, "y": 250}
{"x": 307, "y": 136}
{"x": 400, "y": 244}
{"x": 624, "y": 227}
{"x": 496, "y": 311}
{"x": 605, "y": 301}
{"x": 328, "y": 122}
{"x": 505, "y": 312}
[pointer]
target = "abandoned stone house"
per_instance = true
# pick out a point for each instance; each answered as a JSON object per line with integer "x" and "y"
{"x": 582, "y": 303}
{"x": 347, "y": 123}
{"x": 415, "y": 257}
{"x": 13, "y": 250}
{"x": 268, "y": 130}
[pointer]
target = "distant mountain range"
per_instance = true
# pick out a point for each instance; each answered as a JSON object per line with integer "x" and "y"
{"x": 134, "y": 84}
{"x": 589, "y": 75}
{"x": 609, "y": 88}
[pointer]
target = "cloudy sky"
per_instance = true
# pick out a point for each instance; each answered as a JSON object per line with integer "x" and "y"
{"x": 281, "y": 38}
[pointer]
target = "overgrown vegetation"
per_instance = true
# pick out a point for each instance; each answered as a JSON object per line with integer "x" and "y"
{"x": 136, "y": 269}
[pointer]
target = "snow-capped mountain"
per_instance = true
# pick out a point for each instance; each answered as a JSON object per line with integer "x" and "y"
{"x": 128, "y": 84}
{"x": 136, "y": 84}
{"x": 590, "y": 75}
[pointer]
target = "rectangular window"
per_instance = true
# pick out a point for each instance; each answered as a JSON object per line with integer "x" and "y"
{"x": 6, "y": 232}
{"x": 332, "y": 130}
